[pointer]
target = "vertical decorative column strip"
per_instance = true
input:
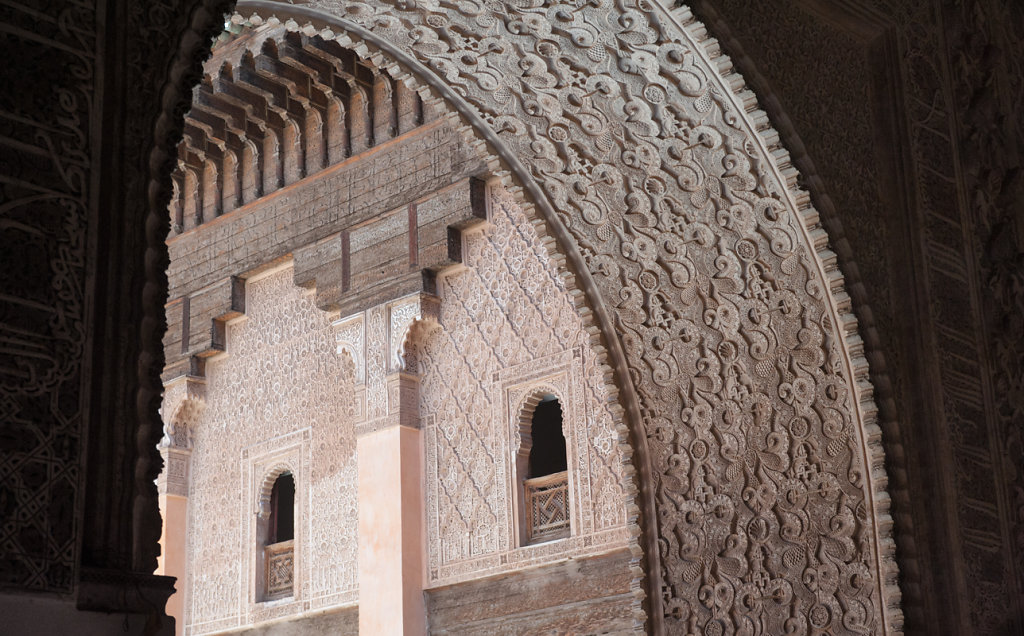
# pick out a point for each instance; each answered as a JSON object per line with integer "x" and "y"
{"x": 182, "y": 405}
{"x": 389, "y": 446}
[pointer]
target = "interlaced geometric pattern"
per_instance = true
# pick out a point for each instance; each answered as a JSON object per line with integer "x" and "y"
{"x": 280, "y": 559}
{"x": 547, "y": 506}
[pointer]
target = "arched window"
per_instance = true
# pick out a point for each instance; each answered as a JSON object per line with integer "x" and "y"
{"x": 277, "y": 539}
{"x": 542, "y": 470}
{"x": 547, "y": 455}
{"x": 282, "y": 510}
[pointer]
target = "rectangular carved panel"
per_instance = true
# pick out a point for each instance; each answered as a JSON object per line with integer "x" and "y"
{"x": 547, "y": 507}
{"x": 280, "y": 560}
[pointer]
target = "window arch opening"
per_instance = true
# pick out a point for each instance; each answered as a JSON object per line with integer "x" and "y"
{"x": 282, "y": 510}
{"x": 547, "y": 455}
{"x": 542, "y": 471}
{"x": 276, "y": 539}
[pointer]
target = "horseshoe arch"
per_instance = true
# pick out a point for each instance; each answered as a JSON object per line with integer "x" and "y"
{"x": 759, "y": 469}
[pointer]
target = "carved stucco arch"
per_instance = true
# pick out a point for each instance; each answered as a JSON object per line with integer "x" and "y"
{"x": 526, "y": 406}
{"x": 646, "y": 103}
{"x": 183, "y": 403}
{"x": 414, "y": 339}
{"x": 411, "y": 321}
{"x": 179, "y": 429}
{"x": 267, "y": 487}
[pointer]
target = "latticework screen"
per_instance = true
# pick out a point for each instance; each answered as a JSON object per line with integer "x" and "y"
{"x": 547, "y": 506}
{"x": 280, "y": 560}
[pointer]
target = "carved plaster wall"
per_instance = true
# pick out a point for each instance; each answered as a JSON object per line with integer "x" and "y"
{"x": 281, "y": 395}
{"x": 906, "y": 162}
{"x": 508, "y": 328}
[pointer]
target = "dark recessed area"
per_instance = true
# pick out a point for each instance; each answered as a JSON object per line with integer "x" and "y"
{"x": 547, "y": 455}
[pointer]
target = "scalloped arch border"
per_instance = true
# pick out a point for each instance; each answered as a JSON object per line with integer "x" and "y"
{"x": 267, "y": 486}
{"x": 194, "y": 46}
{"x": 528, "y": 405}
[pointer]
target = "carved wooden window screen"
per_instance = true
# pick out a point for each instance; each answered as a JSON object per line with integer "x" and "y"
{"x": 280, "y": 560}
{"x": 547, "y": 507}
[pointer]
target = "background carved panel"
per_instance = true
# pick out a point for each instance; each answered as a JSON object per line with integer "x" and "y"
{"x": 45, "y": 194}
{"x": 507, "y": 319}
{"x": 281, "y": 373}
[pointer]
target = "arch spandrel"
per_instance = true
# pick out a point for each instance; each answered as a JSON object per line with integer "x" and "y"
{"x": 723, "y": 314}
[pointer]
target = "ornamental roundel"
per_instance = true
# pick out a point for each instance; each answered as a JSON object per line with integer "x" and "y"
{"x": 702, "y": 267}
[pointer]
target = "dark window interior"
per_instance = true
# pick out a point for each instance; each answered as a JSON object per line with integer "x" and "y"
{"x": 282, "y": 510}
{"x": 547, "y": 455}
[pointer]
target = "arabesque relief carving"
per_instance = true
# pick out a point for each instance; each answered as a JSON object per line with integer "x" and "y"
{"x": 255, "y": 422}
{"x": 507, "y": 326}
{"x": 651, "y": 163}
{"x": 45, "y": 196}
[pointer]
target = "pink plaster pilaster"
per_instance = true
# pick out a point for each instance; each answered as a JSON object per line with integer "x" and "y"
{"x": 391, "y": 572}
{"x": 171, "y": 562}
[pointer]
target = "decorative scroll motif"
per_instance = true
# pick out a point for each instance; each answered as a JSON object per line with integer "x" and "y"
{"x": 351, "y": 336}
{"x": 402, "y": 314}
{"x": 764, "y": 458}
{"x": 280, "y": 560}
{"x": 45, "y": 149}
{"x": 507, "y": 325}
{"x": 281, "y": 393}
{"x": 954, "y": 88}
{"x": 547, "y": 507}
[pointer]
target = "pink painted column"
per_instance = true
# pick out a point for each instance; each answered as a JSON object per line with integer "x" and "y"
{"x": 391, "y": 571}
{"x": 389, "y": 445}
{"x": 172, "y": 486}
{"x": 184, "y": 400}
